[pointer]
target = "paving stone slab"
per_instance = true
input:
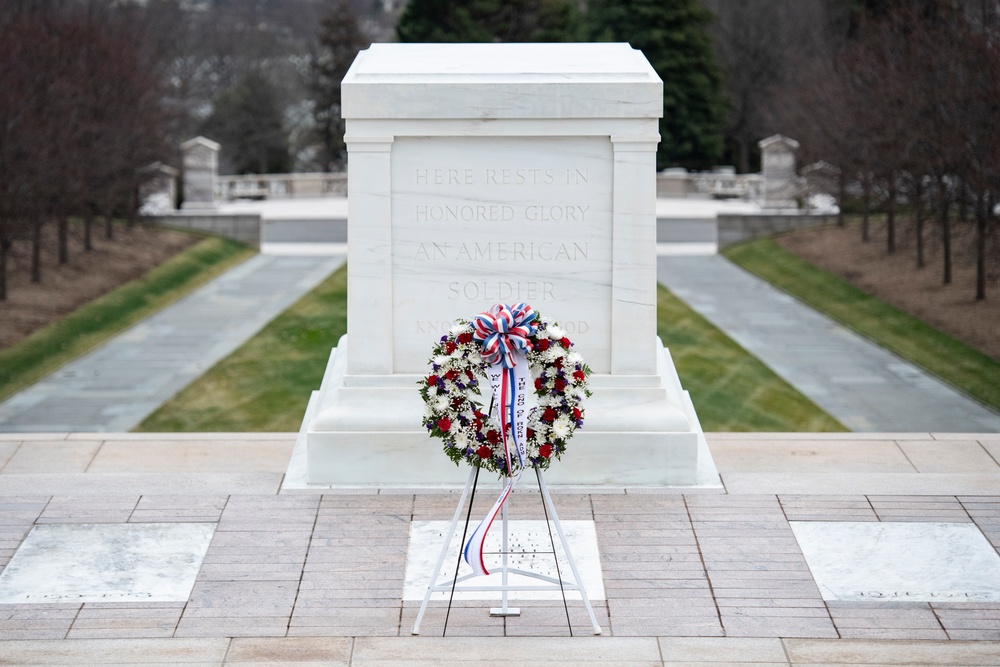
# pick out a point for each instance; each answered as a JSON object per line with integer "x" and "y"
{"x": 722, "y": 650}
{"x": 577, "y": 650}
{"x": 858, "y": 652}
{"x": 954, "y": 484}
{"x": 140, "y": 483}
{"x": 114, "y": 651}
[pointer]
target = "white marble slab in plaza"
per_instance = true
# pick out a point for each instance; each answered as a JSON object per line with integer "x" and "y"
{"x": 489, "y": 173}
{"x": 141, "y": 562}
{"x": 529, "y": 540}
{"x": 903, "y": 561}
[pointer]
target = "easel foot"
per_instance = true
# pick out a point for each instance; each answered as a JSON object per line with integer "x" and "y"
{"x": 509, "y": 611}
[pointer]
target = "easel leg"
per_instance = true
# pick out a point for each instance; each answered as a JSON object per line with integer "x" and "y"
{"x": 473, "y": 476}
{"x": 547, "y": 500}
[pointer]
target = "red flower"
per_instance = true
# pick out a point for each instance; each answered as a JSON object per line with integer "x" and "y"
{"x": 545, "y": 451}
{"x": 543, "y": 344}
{"x": 477, "y": 425}
{"x": 549, "y": 415}
{"x": 457, "y": 401}
{"x": 484, "y": 452}
{"x": 493, "y": 437}
{"x": 579, "y": 376}
{"x": 450, "y": 347}
{"x": 577, "y": 414}
{"x": 452, "y": 374}
{"x": 465, "y": 338}
{"x": 538, "y": 384}
{"x": 531, "y": 434}
{"x": 432, "y": 380}
{"x": 565, "y": 342}
{"x": 560, "y": 384}
{"x": 468, "y": 374}
{"x": 558, "y": 363}
{"x": 444, "y": 424}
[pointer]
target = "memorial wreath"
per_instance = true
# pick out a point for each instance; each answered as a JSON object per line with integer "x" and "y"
{"x": 491, "y": 345}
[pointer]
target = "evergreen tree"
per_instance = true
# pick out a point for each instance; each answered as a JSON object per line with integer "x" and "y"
{"x": 248, "y": 121}
{"x": 673, "y": 36}
{"x": 488, "y": 21}
{"x": 340, "y": 39}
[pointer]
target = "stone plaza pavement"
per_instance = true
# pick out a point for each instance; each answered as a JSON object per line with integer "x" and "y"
{"x": 691, "y": 576}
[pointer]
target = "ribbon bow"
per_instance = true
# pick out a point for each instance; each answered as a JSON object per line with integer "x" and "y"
{"x": 504, "y": 330}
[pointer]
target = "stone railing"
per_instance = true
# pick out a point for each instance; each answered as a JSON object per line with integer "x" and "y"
{"x": 280, "y": 186}
{"x": 721, "y": 183}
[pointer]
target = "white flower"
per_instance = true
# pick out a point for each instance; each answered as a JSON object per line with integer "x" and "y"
{"x": 442, "y": 402}
{"x": 441, "y": 359}
{"x": 561, "y": 427}
{"x": 574, "y": 358}
{"x": 556, "y": 332}
{"x": 461, "y": 441}
{"x": 459, "y": 329}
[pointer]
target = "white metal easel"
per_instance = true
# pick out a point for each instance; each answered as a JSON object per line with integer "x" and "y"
{"x": 451, "y": 584}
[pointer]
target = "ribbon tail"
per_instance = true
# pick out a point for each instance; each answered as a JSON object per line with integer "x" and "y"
{"x": 474, "y": 547}
{"x": 509, "y": 387}
{"x": 473, "y": 552}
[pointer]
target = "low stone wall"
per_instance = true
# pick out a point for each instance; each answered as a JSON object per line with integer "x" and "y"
{"x": 244, "y": 228}
{"x": 738, "y": 228}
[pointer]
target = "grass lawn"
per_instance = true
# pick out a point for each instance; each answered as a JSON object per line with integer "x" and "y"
{"x": 731, "y": 389}
{"x": 265, "y": 385}
{"x": 951, "y": 360}
{"x": 42, "y": 352}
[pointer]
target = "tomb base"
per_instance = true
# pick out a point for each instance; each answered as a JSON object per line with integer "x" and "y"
{"x": 366, "y": 431}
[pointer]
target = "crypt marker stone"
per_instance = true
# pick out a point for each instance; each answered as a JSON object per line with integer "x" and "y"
{"x": 485, "y": 173}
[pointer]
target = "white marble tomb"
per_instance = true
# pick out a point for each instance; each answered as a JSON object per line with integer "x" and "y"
{"x": 485, "y": 173}
{"x": 911, "y": 561}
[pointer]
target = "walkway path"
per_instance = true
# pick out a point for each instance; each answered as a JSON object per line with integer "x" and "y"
{"x": 857, "y": 382}
{"x": 116, "y": 386}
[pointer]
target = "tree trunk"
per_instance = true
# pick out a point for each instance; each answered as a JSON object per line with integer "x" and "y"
{"x": 109, "y": 227}
{"x": 890, "y": 216}
{"x": 744, "y": 157}
{"x": 63, "y": 239}
{"x": 866, "y": 199}
{"x": 4, "y": 251}
{"x": 88, "y": 226}
{"x": 945, "y": 231}
{"x": 981, "y": 214}
{"x": 919, "y": 196}
{"x": 36, "y": 252}
{"x": 841, "y": 197}
{"x": 133, "y": 207}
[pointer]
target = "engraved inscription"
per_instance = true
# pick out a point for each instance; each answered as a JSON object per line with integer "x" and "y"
{"x": 481, "y": 220}
{"x": 503, "y": 251}
{"x": 501, "y": 290}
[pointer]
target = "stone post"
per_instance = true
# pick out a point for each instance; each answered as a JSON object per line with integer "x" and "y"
{"x": 201, "y": 167}
{"x": 778, "y": 164}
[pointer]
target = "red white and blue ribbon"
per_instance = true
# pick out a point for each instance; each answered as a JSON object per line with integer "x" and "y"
{"x": 504, "y": 333}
